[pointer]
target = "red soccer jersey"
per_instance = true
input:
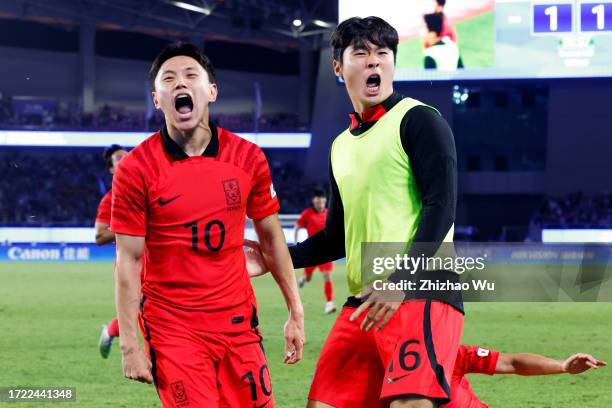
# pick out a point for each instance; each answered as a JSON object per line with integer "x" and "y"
{"x": 312, "y": 220}
{"x": 191, "y": 211}
{"x": 104, "y": 208}
{"x": 470, "y": 359}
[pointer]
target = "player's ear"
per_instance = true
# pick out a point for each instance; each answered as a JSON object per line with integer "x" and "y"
{"x": 213, "y": 93}
{"x": 155, "y": 101}
{"x": 337, "y": 66}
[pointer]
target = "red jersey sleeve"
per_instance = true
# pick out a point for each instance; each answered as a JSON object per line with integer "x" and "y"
{"x": 303, "y": 220}
{"x": 104, "y": 209}
{"x": 129, "y": 210}
{"x": 480, "y": 360}
{"x": 262, "y": 200}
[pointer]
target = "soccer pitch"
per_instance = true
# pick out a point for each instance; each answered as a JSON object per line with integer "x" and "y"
{"x": 50, "y": 316}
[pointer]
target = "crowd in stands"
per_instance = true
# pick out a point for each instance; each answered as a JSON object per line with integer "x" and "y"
{"x": 64, "y": 189}
{"x": 67, "y": 116}
{"x": 575, "y": 211}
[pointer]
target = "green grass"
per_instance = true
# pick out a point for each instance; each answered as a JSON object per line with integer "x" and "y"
{"x": 50, "y": 316}
{"x": 476, "y": 40}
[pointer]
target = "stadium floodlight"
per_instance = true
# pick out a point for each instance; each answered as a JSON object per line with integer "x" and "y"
{"x": 297, "y": 22}
{"x": 191, "y": 7}
{"x": 322, "y": 24}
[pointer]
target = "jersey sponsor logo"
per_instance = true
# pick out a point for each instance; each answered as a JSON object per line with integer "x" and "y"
{"x": 232, "y": 194}
{"x": 179, "y": 393}
{"x": 163, "y": 202}
{"x": 481, "y": 352}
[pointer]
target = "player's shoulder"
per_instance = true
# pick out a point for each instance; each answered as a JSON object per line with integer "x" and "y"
{"x": 108, "y": 196}
{"x": 239, "y": 151}
{"x": 139, "y": 158}
{"x": 307, "y": 212}
{"x": 231, "y": 139}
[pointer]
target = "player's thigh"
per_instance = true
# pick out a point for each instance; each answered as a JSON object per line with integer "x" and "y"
{"x": 418, "y": 347}
{"x": 244, "y": 376}
{"x": 349, "y": 371}
{"x": 182, "y": 365}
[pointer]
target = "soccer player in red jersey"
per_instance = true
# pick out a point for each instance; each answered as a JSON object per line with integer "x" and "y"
{"x": 180, "y": 200}
{"x": 313, "y": 220}
{"x": 474, "y": 359}
{"x": 112, "y": 156}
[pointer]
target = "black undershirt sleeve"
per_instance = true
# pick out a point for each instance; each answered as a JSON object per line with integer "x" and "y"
{"x": 328, "y": 244}
{"x": 430, "y": 146}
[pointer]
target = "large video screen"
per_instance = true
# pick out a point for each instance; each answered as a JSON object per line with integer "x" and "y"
{"x": 487, "y": 39}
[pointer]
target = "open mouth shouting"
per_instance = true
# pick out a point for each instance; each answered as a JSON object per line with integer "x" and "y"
{"x": 373, "y": 85}
{"x": 183, "y": 103}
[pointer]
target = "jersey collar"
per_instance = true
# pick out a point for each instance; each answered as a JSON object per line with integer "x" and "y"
{"x": 175, "y": 151}
{"x": 371, "y": 115}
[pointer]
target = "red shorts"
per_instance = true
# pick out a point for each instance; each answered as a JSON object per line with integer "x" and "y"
{"x": 194, "y": 368}
{"x": 326, "y": 267}
{"x": 414, "y": 354}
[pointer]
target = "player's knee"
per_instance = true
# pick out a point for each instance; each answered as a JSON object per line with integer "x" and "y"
{"x": 413, "y": 401}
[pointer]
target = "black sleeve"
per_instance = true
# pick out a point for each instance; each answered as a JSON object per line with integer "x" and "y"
{"x": 328, "y": 244}
{"x": 430, "y": 146}
{"x": 430, "y": 63}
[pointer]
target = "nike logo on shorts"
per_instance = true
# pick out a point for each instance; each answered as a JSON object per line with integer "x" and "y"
{"x": 163, "y": 202}
{"x": 390, "y": 380}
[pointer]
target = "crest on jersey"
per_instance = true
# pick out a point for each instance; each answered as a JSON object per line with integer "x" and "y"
{"x": 232, "y": 193}
{"x": 482, "y": 352}
{"x": 179, "y": 393}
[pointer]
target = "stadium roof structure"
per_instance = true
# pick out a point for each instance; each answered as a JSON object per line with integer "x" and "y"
{"x": 269, "y": 23}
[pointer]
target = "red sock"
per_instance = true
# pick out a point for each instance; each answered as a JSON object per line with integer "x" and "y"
{"x": 113, "y": 328}
{"x": 329, "y": 291}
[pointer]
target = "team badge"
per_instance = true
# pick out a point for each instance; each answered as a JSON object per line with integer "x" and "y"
{"x": 482, "y": 352}
{"x": 179, "y": 393}
{"x": 232, "y": 194}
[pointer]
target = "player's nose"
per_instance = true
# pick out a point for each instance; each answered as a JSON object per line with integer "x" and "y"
{"x": 373, "y": 61}
{"x": 180, "y": 82}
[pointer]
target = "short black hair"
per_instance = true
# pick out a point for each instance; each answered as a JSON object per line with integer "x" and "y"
{"x": 434, "y": 22}
{"x": 175, "y": 50}
{"x": 318, "y": 192}
{"x": 441, "y": 3}
{"x": 108, "y": 154}
{"x": 356, "y": 31}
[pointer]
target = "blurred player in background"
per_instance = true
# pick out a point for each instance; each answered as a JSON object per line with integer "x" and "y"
{"x": 313, "y": 220}
{"x": 441, "y": 52}
{"x": 480, "y": 360}
{"x": 180, "y": 201}
{"x": 448, "y": 29}
{"x": 112, "y": 157}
